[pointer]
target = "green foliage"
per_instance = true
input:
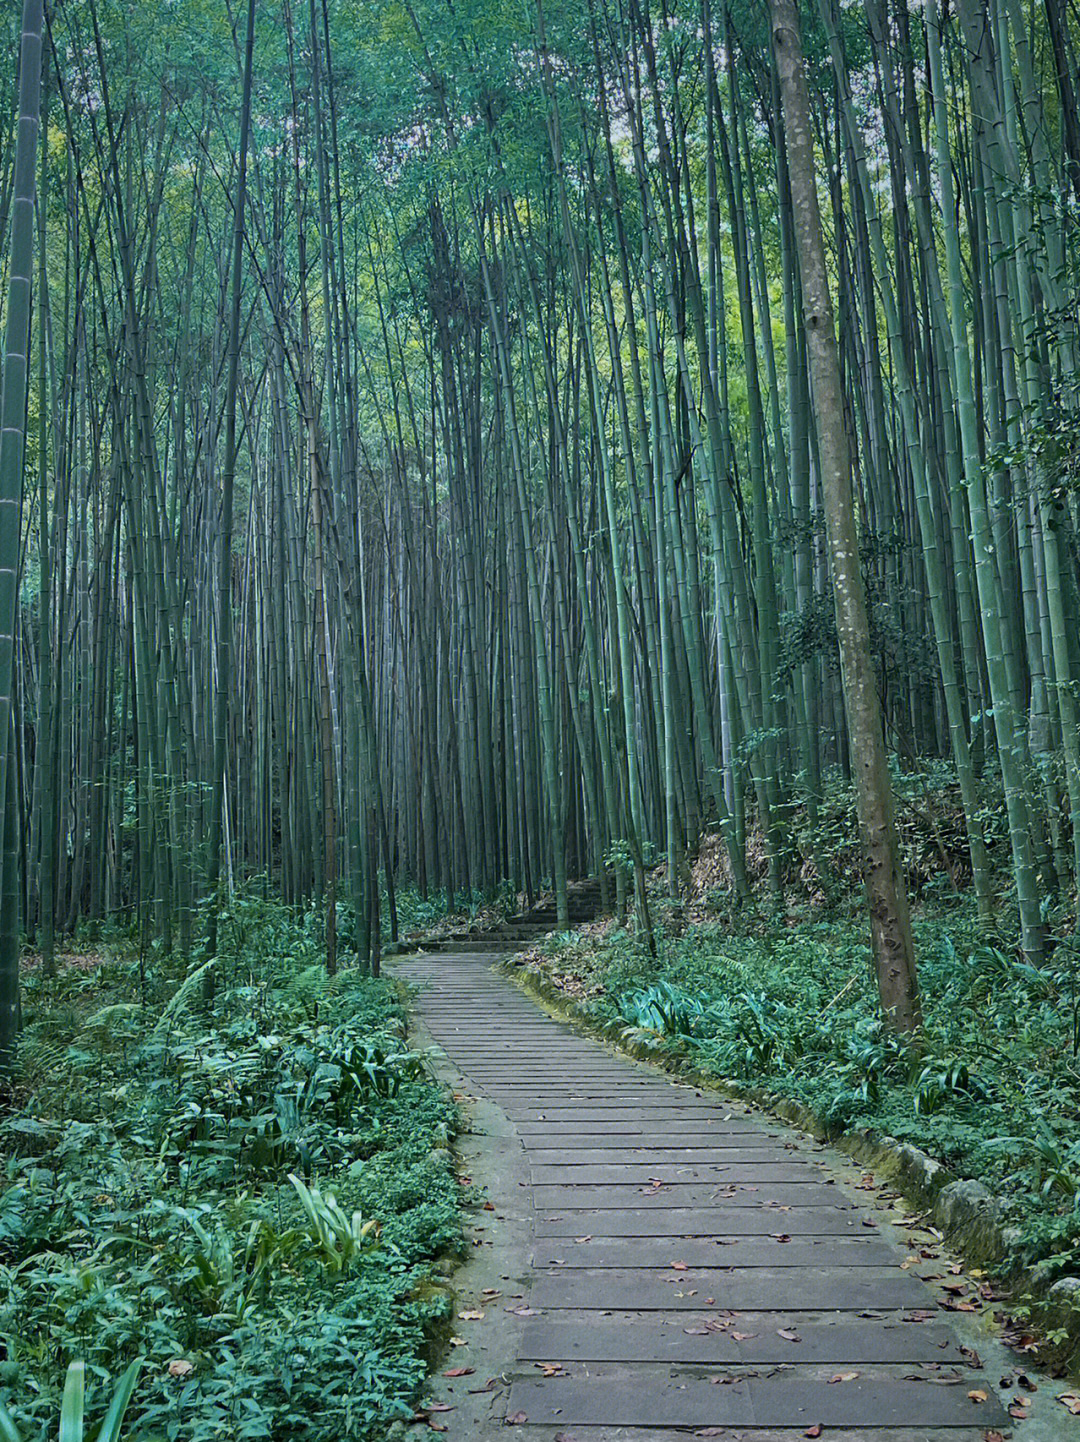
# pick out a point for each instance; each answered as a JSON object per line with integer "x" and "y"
{"x": 73, "y": 1407}
{"x": 164, "y": 1195}
{"x": 338, "y": 1240}
{"x": 991, "y": 1085}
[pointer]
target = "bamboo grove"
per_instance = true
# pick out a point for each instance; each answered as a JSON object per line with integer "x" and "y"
{"x": 420, "y": 465}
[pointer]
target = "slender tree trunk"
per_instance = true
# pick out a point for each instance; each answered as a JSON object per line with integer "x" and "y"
{"x": 890, "y": 922}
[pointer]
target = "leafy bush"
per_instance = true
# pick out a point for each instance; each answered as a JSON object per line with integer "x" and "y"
{"x": 147, "y": 1207}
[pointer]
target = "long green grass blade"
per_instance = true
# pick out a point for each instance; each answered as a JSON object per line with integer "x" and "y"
{"x": 114, "y": 1417}
{"x": 71, "y": 1409}
{"x": 8, "y": 1431}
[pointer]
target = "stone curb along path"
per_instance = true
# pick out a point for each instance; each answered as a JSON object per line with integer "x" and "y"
{"x": 660, "y": 1262}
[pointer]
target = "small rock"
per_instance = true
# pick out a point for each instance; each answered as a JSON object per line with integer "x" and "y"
{"x": 920, "y": 1172}
{"x": 961, "y": 1203}
{"x": 1066, "y": 1292}
{"x": 967, "y": 1207}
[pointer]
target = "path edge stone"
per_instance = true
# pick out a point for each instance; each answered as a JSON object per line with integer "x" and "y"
{"x": 961, "y": 1208}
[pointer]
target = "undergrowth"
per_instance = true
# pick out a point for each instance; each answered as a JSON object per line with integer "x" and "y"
{"x": 249, "y": 1193}
{"x": 991, "y": 1086}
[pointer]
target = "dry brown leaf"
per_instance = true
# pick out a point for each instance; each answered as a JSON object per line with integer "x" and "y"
{"x": 1070, "y": 1401}
{"x": 471, "y": 1314}
{"x": 843, "y": 1377}
{"x": 460, "y": 1372}
{"x": 978, "y": 1395}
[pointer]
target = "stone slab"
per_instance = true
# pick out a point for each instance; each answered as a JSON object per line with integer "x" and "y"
{"x": 741, "y": 1289}
{"x": 636, "y": 1221}
{"x": 824, "y": 1338}
{"x": 765, "y": 1170}
{"x": 692, "y": 1194}
{"x": 722, "y": 1150}
{"x": 711, "y": 1251}
{"x": 649, "y": 1394}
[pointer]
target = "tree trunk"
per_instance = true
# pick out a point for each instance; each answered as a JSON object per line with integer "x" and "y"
{"x": 890, "y": 921}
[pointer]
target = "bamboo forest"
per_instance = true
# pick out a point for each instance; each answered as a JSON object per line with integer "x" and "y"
{"x": 539, "y": 713}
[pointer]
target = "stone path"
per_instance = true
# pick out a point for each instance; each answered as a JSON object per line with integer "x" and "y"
{"x": 694, "y": 1268}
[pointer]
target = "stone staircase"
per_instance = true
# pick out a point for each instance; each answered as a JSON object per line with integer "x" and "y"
{"x": 518, "y": 932}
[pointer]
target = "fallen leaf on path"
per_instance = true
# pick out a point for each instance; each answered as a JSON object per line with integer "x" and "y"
{"x": 489, "y": 1206}
{"x": 843, "y": 1377}
{"x": 781, "y": 1237}
{"x": 551, "y": 1369}
{"x": 788, "y": 1336}
{"x": 516, "y": 1419}
{"x": 473, "y": 1314}
{"x": 978, "y": 1395}
{"x": 993, "y": 1436}
{"x": 710, "y": 1432}
{"x": 743, "y": 1336}
{"x": 1018, "y": 1412}
{"x": 460, "y": 1372}
{"x": 814, "y": 1431}
{"x": 678, "y": 1266}
{"x": 696, "y": 1331}
{"x": 583, "y": 1239}
{"x": 458, "y": 1342}
{"x": 1070, "y": 1401}
{"x": 564, "y": 1437}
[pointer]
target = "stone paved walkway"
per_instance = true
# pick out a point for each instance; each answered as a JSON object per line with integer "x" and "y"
{"x": 695, "y": 1268}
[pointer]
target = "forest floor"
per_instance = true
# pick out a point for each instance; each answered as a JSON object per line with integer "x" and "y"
{"x": 656, "y": 1261}
{"x": 168, "y": 1187}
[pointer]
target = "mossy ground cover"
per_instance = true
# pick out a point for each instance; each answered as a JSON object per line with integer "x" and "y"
{"x": 788, "y": 1003}
{"x": 146, "y": 1206}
